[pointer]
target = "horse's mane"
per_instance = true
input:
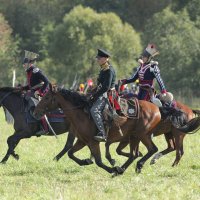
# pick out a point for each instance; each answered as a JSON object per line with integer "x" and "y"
{"x": 74, "y": 97}
{"x": 10, "y": 89}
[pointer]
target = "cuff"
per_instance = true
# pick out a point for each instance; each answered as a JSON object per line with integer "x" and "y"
{"x": 164, "y": 91}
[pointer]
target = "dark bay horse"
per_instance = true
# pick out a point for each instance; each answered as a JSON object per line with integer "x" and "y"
{"x": 173, "y": 136}
{"x": 134, "y": 130}
{"x": 11, "y": 99}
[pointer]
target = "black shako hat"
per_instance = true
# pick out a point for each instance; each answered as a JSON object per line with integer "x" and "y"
{"x": 102, "y": 53}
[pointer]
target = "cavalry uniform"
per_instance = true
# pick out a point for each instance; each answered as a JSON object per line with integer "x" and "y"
{"x": 146, "y": 73}
{"x": 34, "y": 78}
{"x": 105, "y": 83}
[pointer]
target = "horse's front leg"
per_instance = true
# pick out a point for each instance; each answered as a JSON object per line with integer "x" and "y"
{"x": 108, "y": 155}
{"x": 76, "y": 147}
{"x": 95, "y": 151}
{"x": 12, "y": 142}
{"x": 68, "y": 145}
{"x": 133, "y": 143}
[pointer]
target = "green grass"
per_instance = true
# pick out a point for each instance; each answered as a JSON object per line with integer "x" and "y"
{"x": 36, "y": 176}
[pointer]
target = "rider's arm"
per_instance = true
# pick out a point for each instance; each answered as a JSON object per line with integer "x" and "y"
{"x": 132, "y": 79}
{"x": 156, "y": 72}
{"x": 42, "y": 78}
{"x": 105, "y": 85}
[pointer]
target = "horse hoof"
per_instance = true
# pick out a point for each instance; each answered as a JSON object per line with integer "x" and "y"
{"x": 112, "y": 162}
{"x": 56, "y": 158}
{"x": 88, "y": 161}
{"x": 153, "y": 161}
{"x": 137, "y": 170}
{"x": 16, "y": 156}
{"x": 119, "y": 170}
{"x": 3, "y": 162}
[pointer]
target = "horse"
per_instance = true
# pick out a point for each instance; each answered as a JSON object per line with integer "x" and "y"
{"x": 135, "y": 130}
{"x": 173, "y": 136}
{"x": 11, "y": 99}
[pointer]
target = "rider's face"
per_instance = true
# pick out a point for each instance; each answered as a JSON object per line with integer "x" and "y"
{"x": 102, "y": 60}
{"x": 145, "y": 59}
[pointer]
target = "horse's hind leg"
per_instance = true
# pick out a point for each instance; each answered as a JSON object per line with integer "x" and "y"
{"x": 151, "y": 147}
{"x": 78, "y": 146}
{"x": 68, "y": 145}
{"x": 170, "y": 148}
{"x": 179, "y": 148}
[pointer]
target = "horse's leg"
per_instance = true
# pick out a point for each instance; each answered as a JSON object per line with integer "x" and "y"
{"x": 12, "y": 142}
{"x": 95, "y": 150}
{"x": 179, "y": 148}
{"x": 76, "y": 147}
{"x": 151, "y": 147}
{"x": 108, "y": 155}
{"x": 170, "y": 148}
{"x": 68, "y": 145}
{"x": 133, "y": 143}
{"x": 122, "y": 145}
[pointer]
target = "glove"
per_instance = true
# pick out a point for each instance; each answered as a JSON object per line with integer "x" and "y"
{"x": 36, "y": 94}
{"x": 123, "y": 81}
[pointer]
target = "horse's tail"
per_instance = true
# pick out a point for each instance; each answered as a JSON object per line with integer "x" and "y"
{"x": 191, "y": 127}
{"x": 179, "y": 120}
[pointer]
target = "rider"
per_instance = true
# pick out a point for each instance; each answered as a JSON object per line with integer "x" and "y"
{"x": 105, "y": 83}
{"x": 146, "y": 72}
{"x": 38, "y": 83}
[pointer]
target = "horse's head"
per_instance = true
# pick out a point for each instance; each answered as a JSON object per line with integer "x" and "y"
{"x": 48, "y": 102}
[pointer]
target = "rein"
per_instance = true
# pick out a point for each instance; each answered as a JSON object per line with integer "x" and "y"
{"x": 1, "y": 101}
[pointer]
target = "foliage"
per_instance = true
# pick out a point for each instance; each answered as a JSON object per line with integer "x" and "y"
{"x": 178, "y": 40}
{"x": 8, "y": 53}
{"x": 73, "y": 43}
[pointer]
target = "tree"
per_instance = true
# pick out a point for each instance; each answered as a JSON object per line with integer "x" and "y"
{"x": 178, "y": 41}
{"x": 8, "y": 52}
{"x": 73, "y": 43}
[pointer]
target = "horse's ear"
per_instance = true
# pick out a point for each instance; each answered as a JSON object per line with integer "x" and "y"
{"x": 54, "y": 88}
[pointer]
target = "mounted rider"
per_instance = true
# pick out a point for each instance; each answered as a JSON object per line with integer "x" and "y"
{"x": 35, "y": 77}
{"x": 37, "y": 84}
{"x": 146, "y": 72}
{"x": 105, "y": 84}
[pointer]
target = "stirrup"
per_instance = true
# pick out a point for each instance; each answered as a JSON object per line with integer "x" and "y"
{"x": 100, "y": 138}
{"x": 41, "y": 132}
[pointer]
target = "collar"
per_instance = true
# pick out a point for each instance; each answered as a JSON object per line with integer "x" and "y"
{"x": 105, "y": 66}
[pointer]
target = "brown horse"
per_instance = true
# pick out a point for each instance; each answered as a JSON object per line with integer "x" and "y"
{"x": 173, "y": 136}
{"x": 134, "y": 130}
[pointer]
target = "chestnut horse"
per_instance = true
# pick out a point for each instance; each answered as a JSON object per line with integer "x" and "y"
{"x": 135, "y": 130}
{"x": 173, "y": 136}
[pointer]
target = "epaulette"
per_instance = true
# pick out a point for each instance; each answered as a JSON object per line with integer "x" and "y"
{"x": 154, "y": 63}
{"x": 35, "y": 70}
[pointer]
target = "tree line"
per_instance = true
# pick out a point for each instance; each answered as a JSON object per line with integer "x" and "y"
{"x": 67, "y": 33}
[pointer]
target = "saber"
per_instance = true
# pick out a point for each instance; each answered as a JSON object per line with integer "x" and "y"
{"x": 50, "y": 126}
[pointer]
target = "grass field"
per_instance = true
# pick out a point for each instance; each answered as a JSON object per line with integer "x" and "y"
{"x": 37, "y": 177}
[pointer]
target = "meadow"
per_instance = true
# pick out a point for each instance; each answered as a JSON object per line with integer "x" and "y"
{"x": 36, "y": 176}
